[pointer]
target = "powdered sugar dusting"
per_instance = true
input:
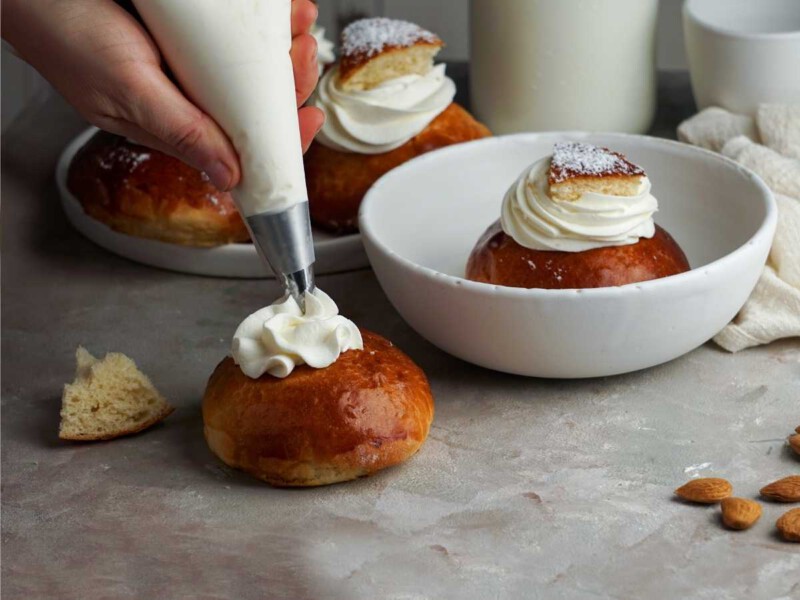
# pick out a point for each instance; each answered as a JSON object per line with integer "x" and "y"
{"x": 370, "y": 36}
{"x": 131, "y": 155}
{"x": 574, "y": 159}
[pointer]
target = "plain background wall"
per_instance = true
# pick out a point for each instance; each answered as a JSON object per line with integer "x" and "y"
{"x": 21, "y": 85}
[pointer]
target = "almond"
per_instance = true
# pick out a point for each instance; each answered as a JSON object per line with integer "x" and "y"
{"x": 740, "y": 513}
{"x": 783, "y": 490}
{"x": 794, "y": 442}
{"x": 797, "y": 429}
{"x": 789, "y": 525}
{"x": 706, "y": 490}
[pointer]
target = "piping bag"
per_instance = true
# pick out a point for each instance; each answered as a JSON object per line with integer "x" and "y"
{"x": 231, "y": 57}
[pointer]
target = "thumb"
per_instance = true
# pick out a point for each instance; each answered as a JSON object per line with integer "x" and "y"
{"x": 159, "y": 108}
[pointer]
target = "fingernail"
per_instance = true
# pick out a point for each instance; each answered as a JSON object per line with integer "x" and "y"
{"x": 220, "y": 175}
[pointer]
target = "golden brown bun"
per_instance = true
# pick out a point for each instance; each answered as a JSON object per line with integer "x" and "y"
{"x": 498, "y": 259}
{"x": 146, "y": 193}
{"x": 369, "y": 410}
{"x": 337, "y": 181}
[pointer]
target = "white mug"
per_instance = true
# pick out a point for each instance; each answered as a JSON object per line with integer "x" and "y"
{"x": 539, "y": 65}
{"x": 743, "y": 52}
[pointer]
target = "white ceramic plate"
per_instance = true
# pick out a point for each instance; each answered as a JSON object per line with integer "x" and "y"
{"x": 421, "y": 221}
{"x": 334, "y": 253}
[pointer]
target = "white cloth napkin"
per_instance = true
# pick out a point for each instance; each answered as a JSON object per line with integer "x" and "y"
{"x": 769, "y": 145}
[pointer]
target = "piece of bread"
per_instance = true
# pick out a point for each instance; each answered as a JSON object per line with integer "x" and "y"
{"x": 146, "y": 193}
{"x": 369, "y": 410}
{"x": 376, "y": 50}
{"x": 108, "y": 399}
{"x": 499, "y": 260}
{"x": 577, "y": 168}
{"x": 337, "y": 181}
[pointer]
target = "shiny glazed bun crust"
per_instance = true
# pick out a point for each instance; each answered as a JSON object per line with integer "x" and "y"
{"x": 337, "y": 181}
{"x": 369, "y": 410}
{"x": 146, "y": 193}
{"x": 500, "y": 260}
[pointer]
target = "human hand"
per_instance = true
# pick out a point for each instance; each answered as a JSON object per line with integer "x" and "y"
{"x": 101, "y": 59}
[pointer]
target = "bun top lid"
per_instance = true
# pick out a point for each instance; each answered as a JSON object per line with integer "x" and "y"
{"x": 368, "y": 37}
{"x": 578, "y": 159}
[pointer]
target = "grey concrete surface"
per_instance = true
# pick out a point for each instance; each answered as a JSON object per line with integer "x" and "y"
{"x": 526, "y": 488}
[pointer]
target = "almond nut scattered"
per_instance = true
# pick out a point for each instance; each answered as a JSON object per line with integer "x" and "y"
{"x": 783, "y": 490}
{"x": 794, "y": 442}
{"x": 740, "y": 513}
{"x": 789, "y": 525}
{"x": 706, "y": 490}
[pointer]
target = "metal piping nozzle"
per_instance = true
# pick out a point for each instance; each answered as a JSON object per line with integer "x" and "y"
{"x": 283, "y": 239}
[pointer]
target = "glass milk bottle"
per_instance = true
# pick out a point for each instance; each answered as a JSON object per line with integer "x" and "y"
{"x": 539, "y": 65}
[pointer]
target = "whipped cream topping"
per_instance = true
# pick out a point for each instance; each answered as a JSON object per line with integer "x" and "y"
{"x": 536, "y": 220}
{"x": 233, "y": 60}
{"x": 325, "y": 55}
{"x": 382, "y": 118}
{"x": 280, "y": 337}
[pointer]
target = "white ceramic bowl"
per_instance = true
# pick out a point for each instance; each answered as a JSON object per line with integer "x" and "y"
{"x": 743, "y": 52}
{"x": 420, "y": 222}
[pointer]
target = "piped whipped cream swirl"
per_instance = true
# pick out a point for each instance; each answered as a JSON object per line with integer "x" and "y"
{"x": 382, "y": 118}
{"x": 325, "y": 55}
{"x": 280, "y": 337}
{"x": 536, "y": 220}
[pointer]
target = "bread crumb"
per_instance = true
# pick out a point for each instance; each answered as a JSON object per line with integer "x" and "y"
{"x": 109, "y": 398}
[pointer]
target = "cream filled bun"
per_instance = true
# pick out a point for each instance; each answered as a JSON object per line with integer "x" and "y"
{"x": 309, "y": 399}
{"x": 385, "y": 102}
{"x": 580, "y": 218}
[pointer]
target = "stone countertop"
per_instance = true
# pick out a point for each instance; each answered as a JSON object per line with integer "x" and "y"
{"x": 526, "y": 487}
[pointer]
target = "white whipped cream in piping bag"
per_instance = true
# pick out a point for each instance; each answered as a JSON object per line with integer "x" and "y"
{"x": 536, "y": 220}
{"x": 382, "y": 118}
{"x": 232, "y": 58}
{"x": 280, "y": 337}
